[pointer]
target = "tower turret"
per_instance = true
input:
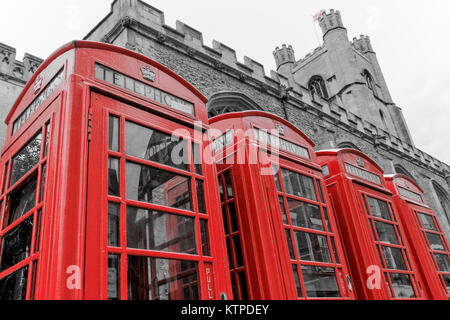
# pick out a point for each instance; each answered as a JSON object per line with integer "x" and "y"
{"x": 284, "y": 58}
{"x": 331, "y": 21}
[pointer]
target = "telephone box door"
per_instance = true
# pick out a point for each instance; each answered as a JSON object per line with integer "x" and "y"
{"x": 148, "y": 223}
{"x": 397, "y": 274}
{"x": 313, "y": 266}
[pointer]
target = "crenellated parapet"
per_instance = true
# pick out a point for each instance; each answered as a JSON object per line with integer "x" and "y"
{"x": 362, "y": 44}
{"x": 14, "y": 70}
{"x": 143, "y": 19}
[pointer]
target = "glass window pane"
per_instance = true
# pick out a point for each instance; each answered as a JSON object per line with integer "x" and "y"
{"x": 320, "y": 282}
{"x": 16, "y": 245}
{"x": 290, "y": 245}
{"x": 327, "y": 220}
{"x": 47, "y": 139}
{"x": 243, "y": 282}
{"x": 238, "y": 250}
{"x": 305, "y": 215}
{"x": 386, "y": 233}
{"x": 113, "y": 277}
{"x": 435, "y": 241}
{"x": 14, "y": 286}
{"x": 38, "y": 231}
{"x": 197, "y": 158}
{"x": 386, "y": 277}
{"x": 222, "y": 196}
{"x": 157, "y": 186}
{"x": 113, "y": 224}
{"x": 159, "y": 231}
{"x": 393, "y": 258}
{"x": 204, "y": 231}
{"x": 233, "y": 217}
{"x": 200, "y": 196}
{"x": 446, "y": 278}
{"x": 225, "y": 220}
{"x": 234, "y": 287}
{"x": 114, "y": 132}
{"x": 283, "y": 210}
{"x": 26, "y": 159}
{"x": 402, "y": 286}
{"x": 312, "y": 247}
{"x": 113, "y": 177}
{"x": 297, "y": 281}
{"x": 43, "y": 174}
{"x": 427, "y": 222}
{"x": 277, "y": 177}
{"x": 319, "y": 187}
{"x": 22, "y": 201}
{"x": 299, "y": 185}
{"x": 4, "y": 177}
{"x": 443, "y": 262}
{"x": 156, "y": 146}
{"x": 230, "y": 254}
{"x": 229, "y": 185}
{"x": 379, "y": 208}
{"x": 162, "y": 279}
{"x": 333, "y": 245}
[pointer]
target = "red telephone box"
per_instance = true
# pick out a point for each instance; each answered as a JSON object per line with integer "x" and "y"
{"x": 281, "y": 235}
{"x": 424, "y": 233}
{"x": 374, "y": 241}
{"x": 101, "y": 197}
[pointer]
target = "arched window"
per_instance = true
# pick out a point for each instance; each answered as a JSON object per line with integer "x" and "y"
{"x": 401, "y": 170}
{"x": 318, "y": 88}
{"x": 225, "y": 102}
{"x": 348, "y": 145}
{"x": 369, "y": 80}
{"x": 444, "y": 199}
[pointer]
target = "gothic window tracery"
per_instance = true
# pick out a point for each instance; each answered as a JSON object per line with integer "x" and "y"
{"x": 318, "y": 88}
{"x": 369, "y": 80}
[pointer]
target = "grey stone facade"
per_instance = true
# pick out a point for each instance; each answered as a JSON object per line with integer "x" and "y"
{"x": 353, "y": 114}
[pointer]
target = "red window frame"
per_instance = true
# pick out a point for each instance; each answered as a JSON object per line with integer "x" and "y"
{"x": 394, "y": 222}
{"x": 103, "y": 108}
{"x": 233, "y": 236}
{"x": 329, "y": 231}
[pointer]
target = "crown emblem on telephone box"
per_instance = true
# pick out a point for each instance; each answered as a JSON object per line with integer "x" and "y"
{"x": 148, "y": 73}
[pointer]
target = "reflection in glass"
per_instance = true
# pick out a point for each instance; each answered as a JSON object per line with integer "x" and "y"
{"x": 47, "y": 139}
{"x": 446, "y": 278}
{"x": 238, "y": 250}
{"x": 336, "y": 256}
{"x": 319, "y": 187}
{"x": 225, "y": 220}
{"x": 276, "y": 173}
{"x": 243, "y": 282}
{"x": 156, "y": 146}
{"x": 394, "y": 258}
{"x": 297, "y": 281}
{"x": 435, "y": 241}
{"x": 320, "y": 282}
{"x": 162, "y": 279}
{"x": 305, "y": 215}
{"x": 229, "y": 185}
{"x": 14, "y": 286}
{"x": 230, "y": 254}
{"x": 427, "y": 222}
{"x": 113, "y": 224}
{"x": 160, "y": 231}
{"x": 222, "y": 196}
{"x": 379, "y": 208}
{"x": 386, "y": 233}
{"x": 43, "y": 174}
{"x": 26, "y": 159}
{"x": 299, "y": 185}
{"x": 443, "y": 262}
{"x": 312, "y": 247}
{"x": 114, "y": 131}
{"x": 113, "y": 177}
{"x": 16, "y": 245}
{"x": 402, "y": 286}
{"x": 113, "y": 277}
{"x": 157, "y": 186}
{"x": 22, "y": 201}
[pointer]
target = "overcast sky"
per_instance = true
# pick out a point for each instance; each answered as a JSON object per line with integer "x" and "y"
{"x": 411, "y": 39}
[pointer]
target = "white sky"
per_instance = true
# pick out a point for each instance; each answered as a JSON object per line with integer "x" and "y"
{"x": 411, "y": 39}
